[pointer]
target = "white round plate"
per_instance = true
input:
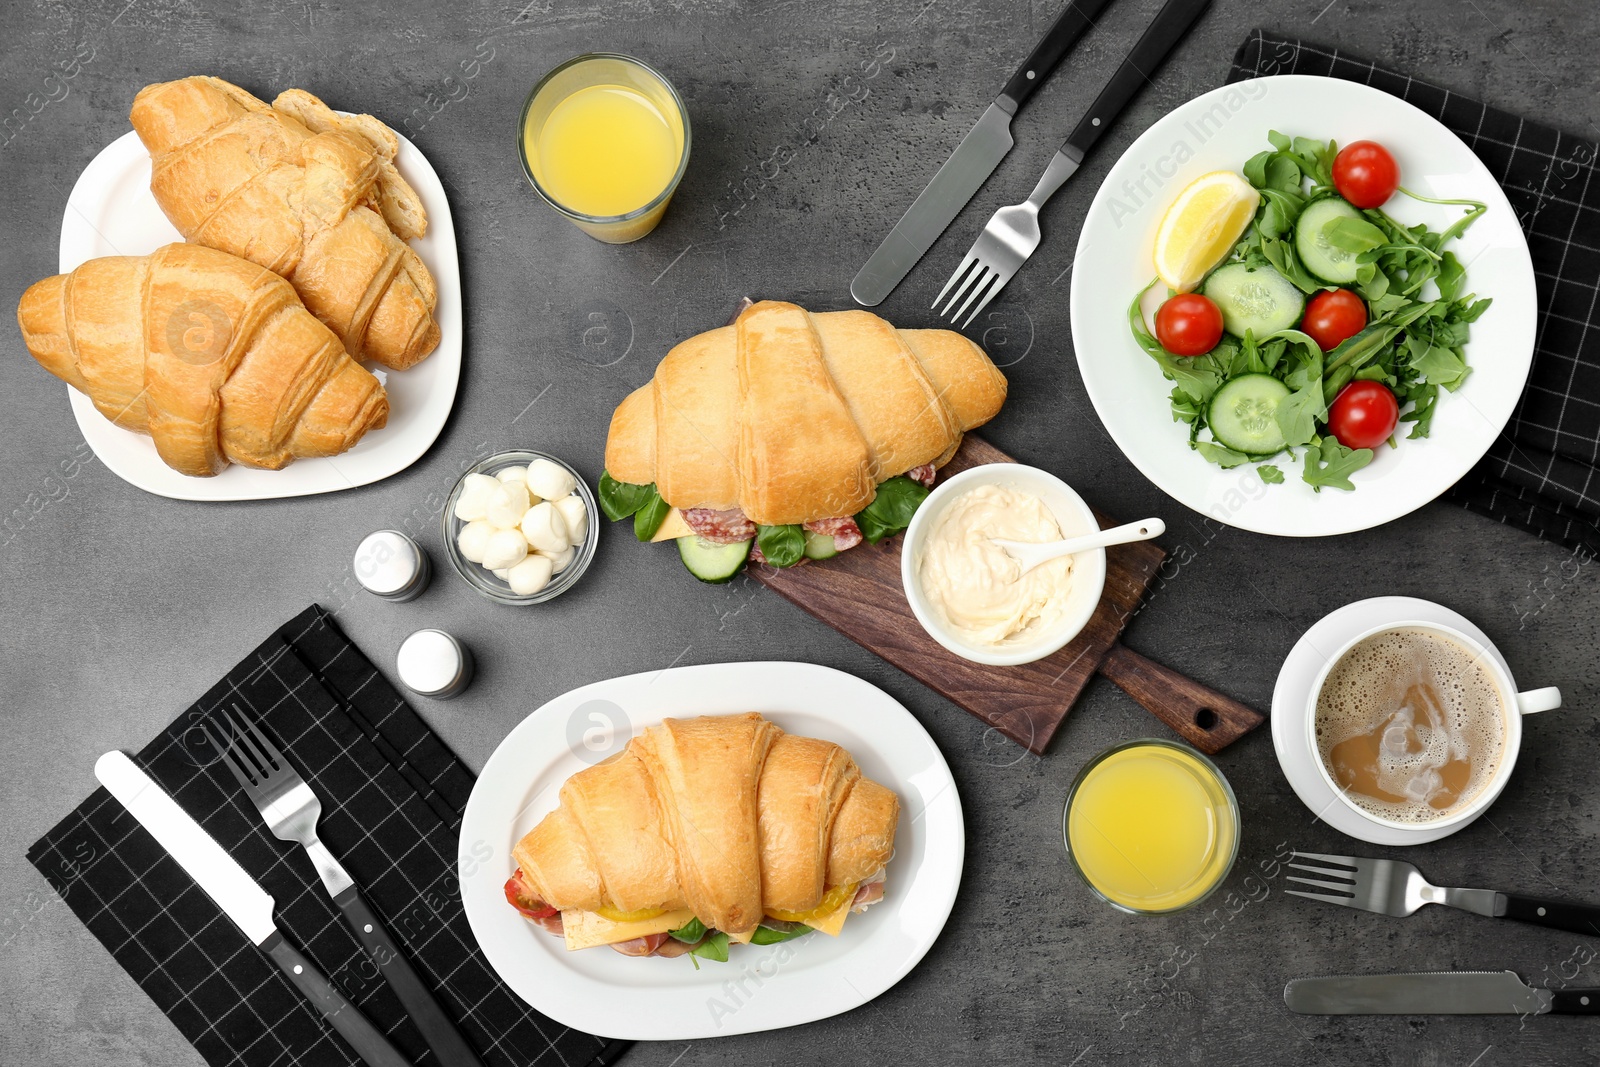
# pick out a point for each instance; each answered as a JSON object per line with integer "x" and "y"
{"x": 1220, "y": 131}
{"x": 111, "y": 212}
{"x": 1290, "y": 696}
{"x": 760, "y": 987}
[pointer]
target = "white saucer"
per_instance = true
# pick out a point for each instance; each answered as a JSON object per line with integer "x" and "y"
{"x": 1290, "y": 722}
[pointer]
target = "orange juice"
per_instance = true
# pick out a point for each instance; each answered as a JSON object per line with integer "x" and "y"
{"x": 1152, "y": 826}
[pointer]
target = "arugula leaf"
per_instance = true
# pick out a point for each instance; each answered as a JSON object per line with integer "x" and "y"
{"x": 781, "y": 545}
{"x": 1329, "y": 463}
{"x": 689, "y": 932}
{"x": 1299, "y": 413}
{"x": 1195, "y": 376}
{"x": 891, "y": 510}
{"x": 621, "y": 499}
{"x": 1441, "y": 366}
{"x": 1451, "y": 275}
{"x": 766, "y": 935}
{"x": 1472, "y": 310}
{"x": 714, "y": 947}
{"x": 1220, "y": 455}
{"x": 1352, "y": 234}
{"x": 1270, "y": 474}
{"x": 651, "y": 514}
{"x": 1286, "y": 261}
{"x": 1424, "y": 398}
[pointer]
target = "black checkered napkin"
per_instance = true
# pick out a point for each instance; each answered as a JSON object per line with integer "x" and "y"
{"x": 1543, "y": 473}
{"x": 392, "y": 797}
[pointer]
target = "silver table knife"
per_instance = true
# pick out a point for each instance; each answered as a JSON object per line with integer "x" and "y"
{"x": 241, "y": 898}
{"x": 974, "y": 159}
{"x": 1436, "y": 993}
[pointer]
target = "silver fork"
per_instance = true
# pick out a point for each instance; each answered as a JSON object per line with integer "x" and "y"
{"x": 1397, "y": 888}
{"x": 291, "y": 811}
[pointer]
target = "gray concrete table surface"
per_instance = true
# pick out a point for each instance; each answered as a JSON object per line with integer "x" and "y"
{"x": 814, "y": 125}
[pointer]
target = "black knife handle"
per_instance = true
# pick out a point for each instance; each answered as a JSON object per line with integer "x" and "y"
{"x": 438, "y": 1030}
{"x": 1171, "y": 23}
{"x": 1057, "y": 41}
{"x": 1575, "y": 1002}
{"x": 1559, "y": 914}
{"x": 370, "y": 1044}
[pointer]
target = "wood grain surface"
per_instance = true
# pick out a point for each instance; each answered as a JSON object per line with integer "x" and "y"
{"x": 859, "y": 594}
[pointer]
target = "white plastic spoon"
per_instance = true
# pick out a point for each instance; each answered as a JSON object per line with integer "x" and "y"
{"x": 1030, "y": 554}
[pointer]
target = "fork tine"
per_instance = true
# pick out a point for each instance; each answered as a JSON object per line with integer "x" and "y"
{"x": 1339, "y": 887}
{"x": 1326, "y": 872}
{"x": 1342, "y": 861}
{"x": 245, "y": 777}
{"x": 1348, "y": 902}
{"x": 259, "y": 737}
{"x": 989, "y": 278}
{"x": 966, "y": 264}
{"x": 1000, "y": 283}
{"x": 973, "y": 279}
{"x": 244, "y": 746}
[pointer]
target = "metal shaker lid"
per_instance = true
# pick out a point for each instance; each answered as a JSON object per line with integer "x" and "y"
{"x": 434, "y": 664}
{"x": 391, "y": 565}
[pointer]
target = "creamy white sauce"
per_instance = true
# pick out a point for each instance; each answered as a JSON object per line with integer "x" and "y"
{"x": 973, "y": 585}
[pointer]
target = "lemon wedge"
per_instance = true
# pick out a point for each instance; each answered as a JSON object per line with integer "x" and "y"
{"x": 1202, "y": 226}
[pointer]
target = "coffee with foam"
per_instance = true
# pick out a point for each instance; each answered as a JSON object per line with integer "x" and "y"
{"x": 1411, "y": 725}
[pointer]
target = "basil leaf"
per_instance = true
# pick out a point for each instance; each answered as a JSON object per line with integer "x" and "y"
{"x": 714, "y": 947}
{"x": 689, "y": 932}
{"x": 781, "y": 545}
{"x": 891, "y": 510}
{"x": 651, "y": 514}
{"x": 766, "y": 935}
{"x": 1270, "y": 474}
{"x": 1331, "y": 464}
{"x": 621, "y": 499}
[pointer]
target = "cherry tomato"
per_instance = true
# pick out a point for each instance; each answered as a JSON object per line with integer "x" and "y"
{"x": 1334, "y": 316}
{"x": 1363, "y": 415}
{"x": 1189, "y": 325}
{"x": 1365, "y": 174}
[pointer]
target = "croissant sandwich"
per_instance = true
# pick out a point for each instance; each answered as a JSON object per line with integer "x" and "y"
{"x": 801, "y": 432}
{"x": 705, "y": 831}
{"x": 212, "y": 356}
{"x": 304, "y": 191}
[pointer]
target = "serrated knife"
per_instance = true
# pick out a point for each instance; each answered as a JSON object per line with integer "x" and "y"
{"x": 974, "y": 159}
{"x": 1436, "y": 993}
{"x": 241, "y": 898}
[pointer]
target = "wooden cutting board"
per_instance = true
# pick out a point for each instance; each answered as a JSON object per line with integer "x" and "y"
{"x": 859, "y": 594}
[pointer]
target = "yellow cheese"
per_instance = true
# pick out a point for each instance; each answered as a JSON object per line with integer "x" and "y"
{"x": 672, "y": 527}
{"x": 744, "y": 938}
{"x": 585, "y": 929}
{"x": 833, "y": 922}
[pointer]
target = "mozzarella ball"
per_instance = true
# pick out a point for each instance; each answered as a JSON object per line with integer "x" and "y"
{"x": 549, "y": 480}
{"x": 560, "y": 560}
{"x": 576, "y": 513}
{"x": 473, "y": 539}
{"x": 506, "y": 548}
{"x": 501, "y": 572}
{"x": 473, "y": 503}
{"x": 507, "y": 504}
{"x": 544, "y": 528}
{"x": 512, "y": 474}
{"x": 530, "y": 576}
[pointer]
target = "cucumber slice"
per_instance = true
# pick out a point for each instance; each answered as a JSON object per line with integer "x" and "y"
{"x": 1254, "y": 298}
{"x": 1244, "y": 414}
{"x": 1322, "y": 259}
{"x": 711, "y": 562}
{"x": 820, "y": 545}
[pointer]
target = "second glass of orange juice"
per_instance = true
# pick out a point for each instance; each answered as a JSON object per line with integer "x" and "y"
{"x": 605, "y": 140}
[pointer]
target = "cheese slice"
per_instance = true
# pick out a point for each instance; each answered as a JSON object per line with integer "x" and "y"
{"x": 585, "y": 929}
{"x": 672, "y": 527}
{"x": 833, "y": 922}
{"x": 744, "y": 938}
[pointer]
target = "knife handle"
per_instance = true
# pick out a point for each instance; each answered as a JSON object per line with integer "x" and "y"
{"x": 1575, "y": 1002}
{"x": 1171, "y": 23}
{"x": 449, "y": 1047}
{"x": 370, "y": 1044}
{"x": 1057, "y": 41}
{"x": 1558, "y": 914}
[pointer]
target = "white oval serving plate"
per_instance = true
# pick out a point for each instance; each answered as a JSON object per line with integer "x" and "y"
{"x": 760, "y": 987}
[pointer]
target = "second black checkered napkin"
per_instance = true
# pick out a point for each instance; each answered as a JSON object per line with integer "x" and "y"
{"x": 392, "y": 797}
{"x": 1543, "y": 472}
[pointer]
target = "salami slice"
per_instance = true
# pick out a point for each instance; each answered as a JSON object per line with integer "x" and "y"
{"x": 721, "y": 527}
{"x": 924, "y": 474}
{"x": 843, "y": 530}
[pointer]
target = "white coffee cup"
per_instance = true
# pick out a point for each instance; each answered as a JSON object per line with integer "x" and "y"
{"x": 1514, "y": 705}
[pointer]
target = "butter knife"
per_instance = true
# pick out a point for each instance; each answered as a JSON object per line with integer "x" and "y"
{"x": 1437, "y": 993}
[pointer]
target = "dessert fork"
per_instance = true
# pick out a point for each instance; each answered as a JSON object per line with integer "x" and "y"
{"x": 1397, "y": 888}
{"x": 291, "y": 810}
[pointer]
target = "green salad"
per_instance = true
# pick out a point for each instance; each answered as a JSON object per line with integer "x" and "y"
{"x": 1326, "y": 329}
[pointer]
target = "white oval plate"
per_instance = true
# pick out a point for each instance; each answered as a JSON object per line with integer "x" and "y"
{"x": 1220, "y": 131}
{"x": 760, "y": 987}
{"x": 1292, "y": 694}
{"x": 111, "y": 212}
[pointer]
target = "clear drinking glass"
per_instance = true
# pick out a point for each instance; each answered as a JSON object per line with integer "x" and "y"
{"x": 597, "y": 70}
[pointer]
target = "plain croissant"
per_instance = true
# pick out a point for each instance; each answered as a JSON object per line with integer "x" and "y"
{"x": 212, "y": 356}
{"x": 794, "y": 417}
{"x": 303, "y": 191}
{"x": 725, "y": 815}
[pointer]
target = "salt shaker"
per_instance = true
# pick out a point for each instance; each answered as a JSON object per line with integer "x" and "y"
{"x": 390, "y": 565}
{"x": 431, "y": 663}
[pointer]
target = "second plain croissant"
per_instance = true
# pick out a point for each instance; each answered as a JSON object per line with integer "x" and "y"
{"x": 794, "y": 416}
{"x": 725, "y": 817}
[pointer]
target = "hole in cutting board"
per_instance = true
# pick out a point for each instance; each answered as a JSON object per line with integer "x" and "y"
{"x": 1205, "y": 718}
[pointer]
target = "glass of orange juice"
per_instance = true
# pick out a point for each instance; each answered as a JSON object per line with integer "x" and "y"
{"x": 1151, "y": 826}
{"x": 604, "y": 140}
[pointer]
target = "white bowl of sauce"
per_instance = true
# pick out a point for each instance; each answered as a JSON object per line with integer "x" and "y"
{"x": 970, "y": 596}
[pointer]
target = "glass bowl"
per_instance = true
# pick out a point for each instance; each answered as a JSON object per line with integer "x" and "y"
{"x": 481, "y": 578}
{"x": 1225, "y": 846}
